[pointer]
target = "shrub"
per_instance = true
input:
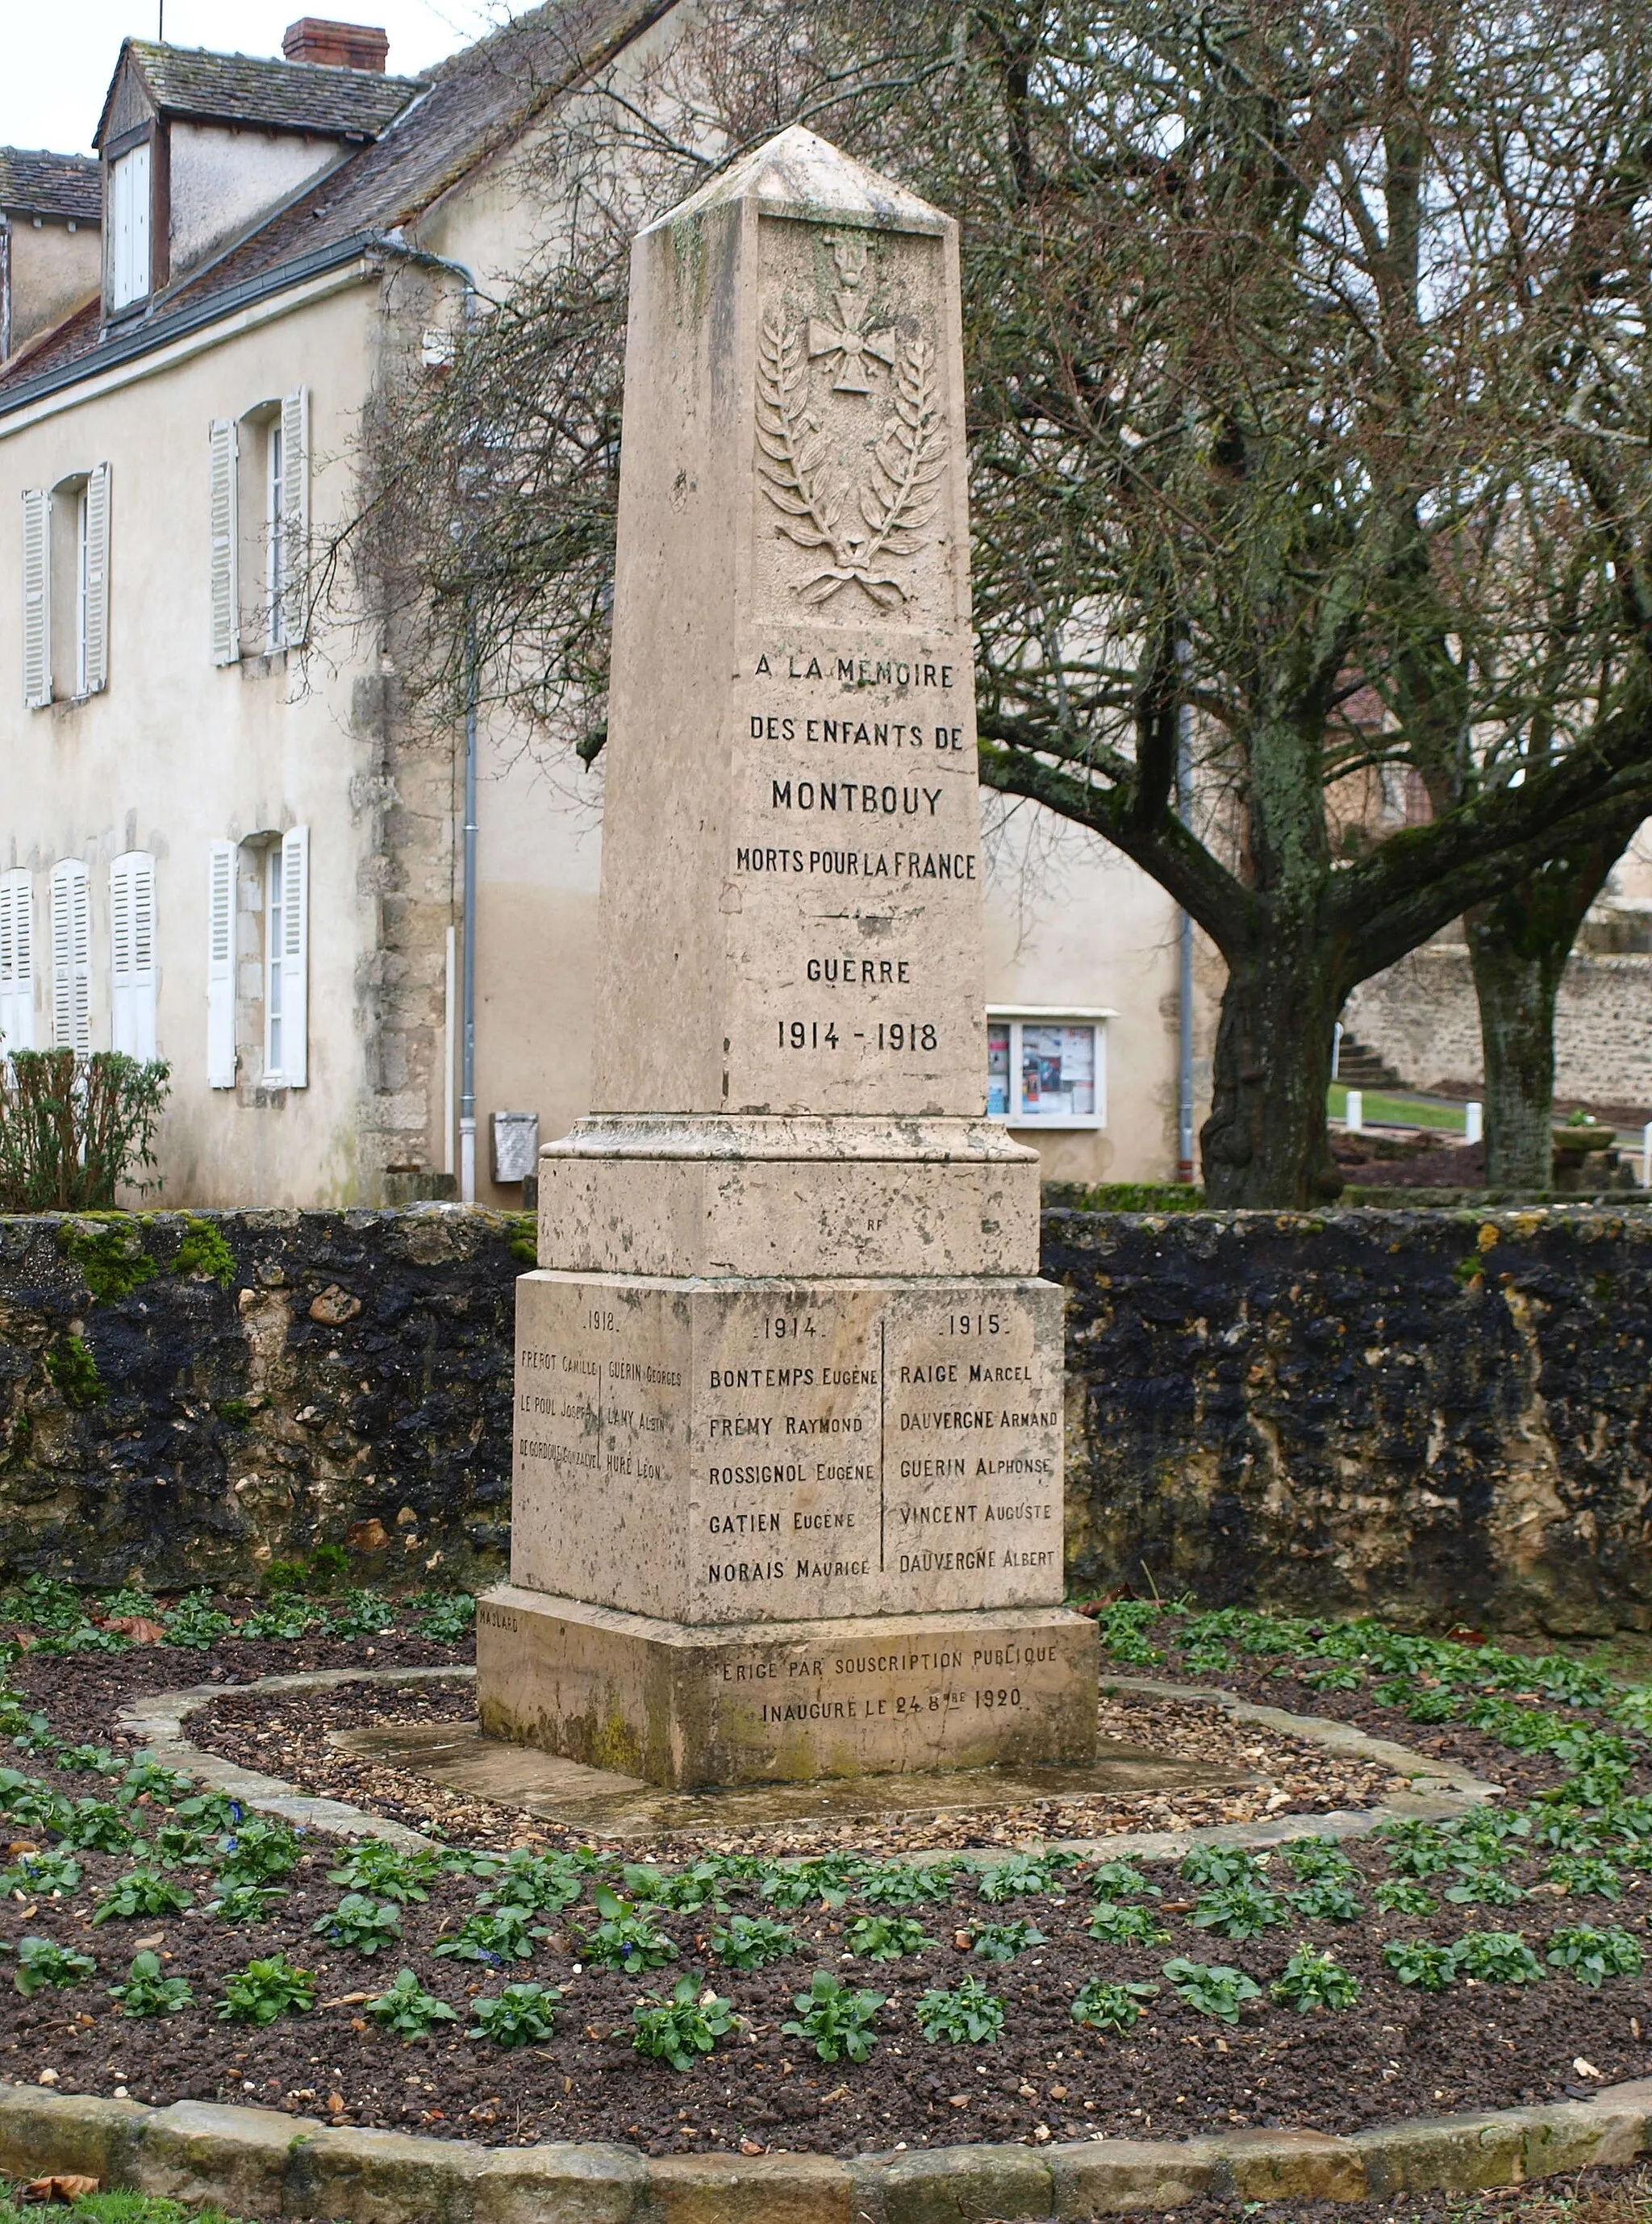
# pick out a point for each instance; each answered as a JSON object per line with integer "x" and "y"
{"x": 42, "y": 1961}
{"x": 1111, "y": 2007}
{"x": 365, "y": 1925}
{"x": 887, "y": 1937}
{"x": 1127, "y": 1926}
{"x": 1002, "y": 1942}
{"x": 1419, "y": 1962}
{"x": 141, "y": 1892}
{"x": 1212, "y": 1988}
{"x": 147, "y": 1993}
{"x": 1311, "y": 1980}
{"x": 73, "y": 1129}
{"x": 751, "y": 1942}
{"x": 1592, "y": 1954}
{"x": 968, "y": 2015}
{"x": 520, "y": 2015}
{"x": 1239, "y": 1912}
{"x": 495, "y": 1936}
{"x": 407, "y": 2009}
{"x": 687, "y": 2022}
{"x": 836, "y": 2022}
{"x": 266, "y": 1989}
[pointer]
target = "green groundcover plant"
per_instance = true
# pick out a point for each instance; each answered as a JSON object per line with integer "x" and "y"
{"x": 834, "y": 2020}
{"x": 683, "y": 2025}
{"x": 968, "y": 2015}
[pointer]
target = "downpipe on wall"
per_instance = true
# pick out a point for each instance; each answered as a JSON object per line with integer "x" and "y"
{"x": 395, "y": 243}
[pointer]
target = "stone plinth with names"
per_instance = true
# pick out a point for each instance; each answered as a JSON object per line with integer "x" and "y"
{"x": 788, "y": 1432}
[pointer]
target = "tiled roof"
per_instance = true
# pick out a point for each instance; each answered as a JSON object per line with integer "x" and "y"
{"x": 476, "y": 102}
{"x": 279, "y": 95}
{"x": 39, "y": 184}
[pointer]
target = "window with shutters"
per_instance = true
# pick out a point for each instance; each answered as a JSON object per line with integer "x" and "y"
{"x": 259, "y": 499}
{"x": 287, "y": 958}
{"x": 130, "y": 207}
{"x": 133, "y": 976}
{"x": 222, "y": 879}
{"x": 71, "y": 957}
{"x": 66, "y": 588}
{"x": 16, "y": 962}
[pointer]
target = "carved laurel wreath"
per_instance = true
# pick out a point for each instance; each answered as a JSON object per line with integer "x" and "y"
{"x": 897, "y": 498}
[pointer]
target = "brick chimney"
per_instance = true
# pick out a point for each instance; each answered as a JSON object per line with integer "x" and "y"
{"x": 344, "y": 46}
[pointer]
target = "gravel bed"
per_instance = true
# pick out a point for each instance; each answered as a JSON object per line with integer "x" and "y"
{"x": 287, "y": 1734}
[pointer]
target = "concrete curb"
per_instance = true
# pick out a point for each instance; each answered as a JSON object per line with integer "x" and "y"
{"x": 158, "y": 1719}
{"x": 257, "y": 2163}
{"x": 1443, "y": 1789}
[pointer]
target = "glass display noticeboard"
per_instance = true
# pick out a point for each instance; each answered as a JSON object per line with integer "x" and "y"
{"x": 1046, "y": 1072}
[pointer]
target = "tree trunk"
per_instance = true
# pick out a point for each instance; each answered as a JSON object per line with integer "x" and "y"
{"x": 1515, "y": 987}
{"x": 1265, "y": 1142}
{"x": 1517, "y": 950}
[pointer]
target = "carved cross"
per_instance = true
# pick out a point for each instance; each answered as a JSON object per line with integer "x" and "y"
{"x": 850, "y": 345}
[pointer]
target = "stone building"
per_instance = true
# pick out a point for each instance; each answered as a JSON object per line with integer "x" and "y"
{"x": 222, "y": 840}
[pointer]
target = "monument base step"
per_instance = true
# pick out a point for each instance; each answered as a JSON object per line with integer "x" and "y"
{"x": 755, "y": 1703}
{"x": 457, "y": 1758}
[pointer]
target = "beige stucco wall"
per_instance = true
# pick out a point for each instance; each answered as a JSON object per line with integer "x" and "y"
{"x": 175, "y": 754}
{"x": 221, "y": 180}
{"x": 53, "y": 271}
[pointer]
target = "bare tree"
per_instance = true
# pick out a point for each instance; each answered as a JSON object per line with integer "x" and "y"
{"x": 1304, "y": 346}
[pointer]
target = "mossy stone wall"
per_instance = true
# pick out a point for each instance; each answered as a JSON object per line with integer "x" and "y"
{"x": 1431, "y": 1414}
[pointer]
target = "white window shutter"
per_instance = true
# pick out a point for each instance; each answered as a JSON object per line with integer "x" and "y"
{"x": 295, "y": 958}
{"x": 71, "y": 957}
{"x": 220, "y": 967}
{"x": 98, "y": 579}
{"x": 16, "y": 963}
{"x": 133, "y": 976}
{"x": 223, "y": 449}
{"x": 295, "y": 515}
{"x": 37, "y": 598}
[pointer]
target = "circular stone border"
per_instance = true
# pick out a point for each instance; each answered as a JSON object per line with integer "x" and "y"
{"x": 259, "y": 2162}
{"x": 1442, "y": 1788}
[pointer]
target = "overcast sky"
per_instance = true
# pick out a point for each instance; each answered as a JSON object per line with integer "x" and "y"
{"x": 57, "y": 56}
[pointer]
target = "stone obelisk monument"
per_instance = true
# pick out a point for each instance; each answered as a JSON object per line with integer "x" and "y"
{"x": 788, "y": 1420}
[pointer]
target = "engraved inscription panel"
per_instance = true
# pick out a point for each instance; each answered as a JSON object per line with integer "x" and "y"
{"x": 789, "y": 1451}
{"x": 852, "y": 886}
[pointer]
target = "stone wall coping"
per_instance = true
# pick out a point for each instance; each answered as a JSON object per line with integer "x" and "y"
{"x": 259, "y": 2162}
{"x": 1444, "y": 1790}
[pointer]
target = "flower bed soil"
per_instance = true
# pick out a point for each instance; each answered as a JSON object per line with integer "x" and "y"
{"x": 287, "y": 1734}
{"x": 1397, "y": 2053}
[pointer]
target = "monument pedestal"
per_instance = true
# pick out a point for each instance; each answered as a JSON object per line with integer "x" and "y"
{"x": 684, "y": 1705}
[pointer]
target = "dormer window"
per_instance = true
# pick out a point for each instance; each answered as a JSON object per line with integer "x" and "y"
{"x": 131, "y": 198}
